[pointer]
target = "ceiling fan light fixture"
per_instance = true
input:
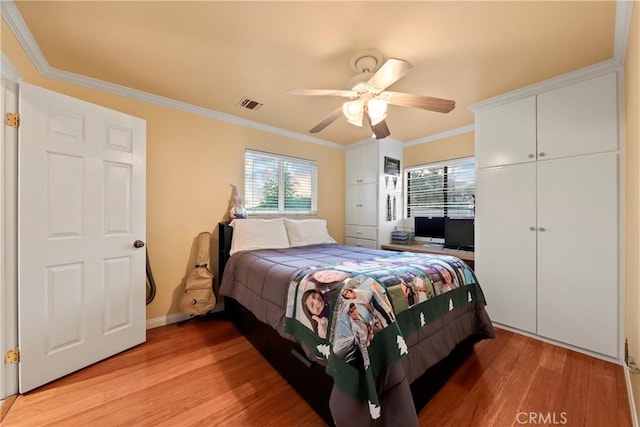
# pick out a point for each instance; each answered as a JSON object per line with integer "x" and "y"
{"x": 377, "y": 110}
{"x": 354, "y": 112}
{"x": 368, "y": 94}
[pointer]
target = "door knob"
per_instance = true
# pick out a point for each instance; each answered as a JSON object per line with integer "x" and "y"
{"x": 138, "y": 244}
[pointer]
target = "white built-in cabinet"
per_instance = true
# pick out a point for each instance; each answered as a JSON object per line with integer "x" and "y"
{"x": 362, "y": 165}
{"x": 362, "y": 201}
{"x": 367, "y": 193}
{"x": 547, "y": 213}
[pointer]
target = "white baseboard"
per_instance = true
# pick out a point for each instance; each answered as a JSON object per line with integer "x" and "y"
{"x": 156, "y": 322}
{"x": 632, "y": 401}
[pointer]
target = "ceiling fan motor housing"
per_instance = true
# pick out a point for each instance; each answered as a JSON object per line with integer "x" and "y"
{"x": 366, "y": 61}
{"x": 357, "y": 80}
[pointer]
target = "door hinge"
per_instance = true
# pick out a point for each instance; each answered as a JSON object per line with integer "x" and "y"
{"x": 13, "y": 356}
{"x": 13, "y": 120}
{"x": 626, "y": 351}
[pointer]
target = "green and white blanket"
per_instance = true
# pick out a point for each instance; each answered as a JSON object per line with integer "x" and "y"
{"x": 356, "y": 314}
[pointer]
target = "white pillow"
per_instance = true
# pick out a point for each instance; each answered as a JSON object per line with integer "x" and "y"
{"x": 304, "y": 232}
{"x": 249, "y": 234}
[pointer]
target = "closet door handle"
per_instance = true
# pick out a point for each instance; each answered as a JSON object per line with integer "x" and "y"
{"x": 532, "y": 156}
{"x": 542, "y": 229}
{"x": 541, "y": 154}
{"x": 532, "y": 228}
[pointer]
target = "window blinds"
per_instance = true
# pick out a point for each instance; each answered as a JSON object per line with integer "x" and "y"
{"x": 442, "y": 189}
{"x": 276, "y": 184}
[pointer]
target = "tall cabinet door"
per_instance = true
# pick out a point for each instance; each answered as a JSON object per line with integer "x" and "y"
{"x": 352, "y": 205}
{"x": 369, "y": 204}
{"x": 361, "y": 204}
{"x": 361, "y": 165}
{"x": 369, "y": 163}
{"x": 578, "y": 251}
{"x": 505, "y": 241}
{"x": 352, "y": 173}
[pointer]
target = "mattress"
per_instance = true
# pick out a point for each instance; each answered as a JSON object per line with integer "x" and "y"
{"x": 260, "y": 279}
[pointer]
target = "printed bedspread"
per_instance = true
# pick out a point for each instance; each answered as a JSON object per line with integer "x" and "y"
{"x": 356, "y": 314}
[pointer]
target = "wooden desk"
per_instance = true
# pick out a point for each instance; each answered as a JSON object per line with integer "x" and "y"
{"x": 467, "y": 256}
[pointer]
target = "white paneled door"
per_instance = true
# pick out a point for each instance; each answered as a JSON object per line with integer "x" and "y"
{"x": 81, "y": 208}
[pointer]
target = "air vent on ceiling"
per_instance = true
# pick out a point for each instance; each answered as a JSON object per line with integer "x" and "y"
{"x": 249, "y": 104}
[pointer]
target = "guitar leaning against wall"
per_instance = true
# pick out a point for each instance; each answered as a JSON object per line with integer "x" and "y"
{"x": 198, "y": 297}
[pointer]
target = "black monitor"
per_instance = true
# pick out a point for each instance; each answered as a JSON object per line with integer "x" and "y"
{"x": 458, "y": 233}
{"x": 429, "y": 228}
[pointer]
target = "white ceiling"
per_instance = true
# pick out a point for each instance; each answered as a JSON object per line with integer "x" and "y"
{"x": 210, "y": 54}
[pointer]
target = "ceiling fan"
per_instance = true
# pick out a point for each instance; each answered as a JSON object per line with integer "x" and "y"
{"x": 368, "y": 98}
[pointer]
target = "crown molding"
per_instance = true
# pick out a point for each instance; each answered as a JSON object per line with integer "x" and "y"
{"x": 624, "y": 10}
{"x": 441, "y": 135}
{"x": 21, "y": 31}
{"x": 19, "y": 28}
{"x": 91, "y": 83}
{"x": 585, "y": 73}
{"x": 371, "y": 141}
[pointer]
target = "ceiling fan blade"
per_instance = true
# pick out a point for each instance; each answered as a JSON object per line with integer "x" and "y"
{"x": 416, "y": 101}
{"x": 327, "y": 121}
{"x": 381, "y": 130}
{"x": 390, "y": 72}
{"x": 321, "y": 92}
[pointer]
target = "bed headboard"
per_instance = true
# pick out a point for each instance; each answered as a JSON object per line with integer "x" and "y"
{"x": 225, "y": 233}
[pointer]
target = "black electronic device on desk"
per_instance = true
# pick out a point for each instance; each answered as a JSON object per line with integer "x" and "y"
{"x": 430, "y": 229}
{"x": 459, "y": 233}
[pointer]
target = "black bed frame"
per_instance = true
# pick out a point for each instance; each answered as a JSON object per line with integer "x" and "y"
{"x": 309, "y": 379}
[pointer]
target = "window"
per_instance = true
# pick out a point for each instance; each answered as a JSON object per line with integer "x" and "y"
{"x": 441, "y": 189}
{"x": 275, "y": 184}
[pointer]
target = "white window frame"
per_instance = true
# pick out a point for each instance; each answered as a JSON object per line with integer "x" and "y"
{"x": 281, "y": 159}
{"x": 437, "y": 165}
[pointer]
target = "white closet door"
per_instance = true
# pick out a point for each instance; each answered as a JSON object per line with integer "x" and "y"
{"x": 352, "y": 174}
{"x": 578, "y": 252}
{"x": 361, "y": 165}
{"x": 369, "y": 163}
{"x": 352, "y": 202}
{"x": 505, "y": 244}
{"x": 369, "y": 204}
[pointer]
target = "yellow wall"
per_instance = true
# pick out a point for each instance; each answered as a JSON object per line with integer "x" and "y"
{"x": 18, "y": 57}
{"x": 453, "y": 147}
{"x": 191, "y": 162}
{"x": 632, "y": 195}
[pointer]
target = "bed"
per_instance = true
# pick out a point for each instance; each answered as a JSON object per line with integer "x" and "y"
{"x": 373, "y": 360}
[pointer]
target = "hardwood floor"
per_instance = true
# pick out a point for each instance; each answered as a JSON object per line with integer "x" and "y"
{"x": 206, "y": 373}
